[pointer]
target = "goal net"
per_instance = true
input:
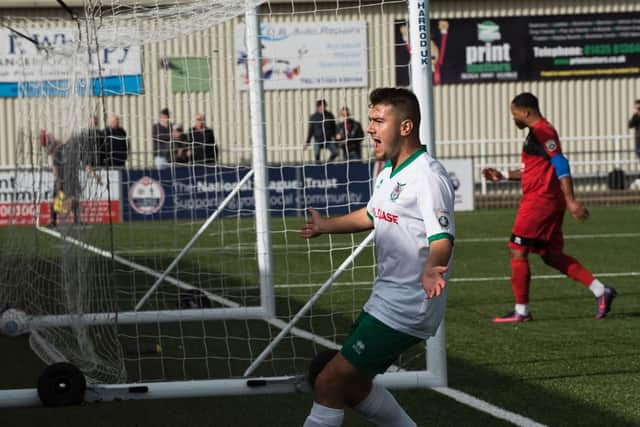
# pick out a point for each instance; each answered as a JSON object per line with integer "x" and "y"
{"x": 162, "y": 174}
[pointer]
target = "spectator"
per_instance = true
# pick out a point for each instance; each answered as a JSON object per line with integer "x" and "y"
{"x": 203, "y": 142}
{"x": 116, "y": 146}
{"x": 350, "y": 136}
{"x": 161, "y": 134}
{"x": 634, "y": 123}
{"x": 67, "y": 160}
{"x": 92, "y": 143}
{"x": 183, "y": 150}
{"x": 322, "y": 127}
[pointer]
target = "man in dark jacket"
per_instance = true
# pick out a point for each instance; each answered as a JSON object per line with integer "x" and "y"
{"x": 350, "y": 136}
{"x": 634, "y": 123}
{"x": 161, "y": 137}
{"x": 203, "y": 142}
{"x": 322, "y": 128}
{"x": 92, "y": 143}
{"x": 183, "y": 150}
{"x": 116, "y": 146}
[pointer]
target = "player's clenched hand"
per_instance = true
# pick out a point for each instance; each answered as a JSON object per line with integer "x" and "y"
{"x": 578, "y": 211}
{"x": 312, "y": 227}
{"x": 492, "y": 174}
{"x": 433, "y": 281}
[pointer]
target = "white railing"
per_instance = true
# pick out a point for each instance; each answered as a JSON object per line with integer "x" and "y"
{"x": 589, "y": 156}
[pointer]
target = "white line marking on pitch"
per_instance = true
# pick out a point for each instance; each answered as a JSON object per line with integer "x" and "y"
{"x": 463, "y": 279}
{"x": 487, "y": 407}
{"x": 566, "y": 237}
{"x": 541, "y": 276}
{"x": 344, "y": 246}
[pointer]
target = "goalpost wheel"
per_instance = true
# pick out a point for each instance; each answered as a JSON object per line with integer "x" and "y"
{"x": 61, "y": 384}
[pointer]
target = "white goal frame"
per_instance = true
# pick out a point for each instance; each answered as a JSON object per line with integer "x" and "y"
{"x": 435, "y": 373}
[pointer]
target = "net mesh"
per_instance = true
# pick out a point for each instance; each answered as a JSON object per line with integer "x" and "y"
{"x": 135, "y": 216}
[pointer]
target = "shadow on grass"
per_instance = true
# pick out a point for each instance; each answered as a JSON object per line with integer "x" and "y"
{"x": 20, "y": 368}
{"x": 530, "y": 400}
{"x": 193, "y": 350}
{"x": 426, "y": 407}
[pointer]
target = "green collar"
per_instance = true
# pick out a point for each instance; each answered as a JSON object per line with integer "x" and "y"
{"x": 407, "y": 161}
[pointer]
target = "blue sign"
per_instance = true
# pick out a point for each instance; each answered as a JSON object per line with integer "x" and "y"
{"x": 115, "y": 85}
{"x": 196, "y": 192}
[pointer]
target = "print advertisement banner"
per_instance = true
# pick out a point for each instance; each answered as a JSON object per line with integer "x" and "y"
{"x": 525, "y": 48}
{"x": 305, "y": 55}
{"x": 28, "y": 70}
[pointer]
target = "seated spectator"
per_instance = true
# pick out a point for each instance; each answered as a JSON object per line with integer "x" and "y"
{"x": 183, "y": 150}
{"x": 116, "y": 146}
{"x": 161, "y": 138}
{"x": 205, "y": 150}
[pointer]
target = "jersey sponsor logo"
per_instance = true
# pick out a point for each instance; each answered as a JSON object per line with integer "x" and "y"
{"x": 385, "y": 216}
{"x": 396, "y": 191}
{"x": 551, "y": 145}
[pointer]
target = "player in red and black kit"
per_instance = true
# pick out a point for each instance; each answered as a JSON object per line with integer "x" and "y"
{"x": 547, "y": 191}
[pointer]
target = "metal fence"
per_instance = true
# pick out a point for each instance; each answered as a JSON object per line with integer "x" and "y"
{"x": 592, "y": 160}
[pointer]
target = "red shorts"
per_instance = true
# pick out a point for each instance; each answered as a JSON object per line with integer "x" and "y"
{"x": 538, "y": 226}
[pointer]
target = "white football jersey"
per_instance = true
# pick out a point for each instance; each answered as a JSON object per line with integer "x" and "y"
{"x": 411, "y": 206}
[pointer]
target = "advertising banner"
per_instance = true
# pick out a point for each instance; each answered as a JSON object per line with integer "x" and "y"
{"x": 519, "y": 48}
{"x": 304, "y": 55}
{"x": 196, "y": 192}
{"x": 29, "y": 70}
{"x": 27, "y": 195}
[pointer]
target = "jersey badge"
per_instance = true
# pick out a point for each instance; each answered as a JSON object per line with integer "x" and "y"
{"x": 396, "y": 191}
{"x": 551, "y": 145}
{"x": 443, "y": 217}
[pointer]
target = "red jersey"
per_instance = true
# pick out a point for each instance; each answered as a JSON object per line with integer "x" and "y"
{"x": 538, "y": 174}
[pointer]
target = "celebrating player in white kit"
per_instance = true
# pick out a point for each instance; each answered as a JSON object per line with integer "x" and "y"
{"x": 411, "y": 210}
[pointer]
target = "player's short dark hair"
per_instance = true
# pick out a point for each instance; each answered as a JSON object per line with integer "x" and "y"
{"x": 405, "y": 101}
{"x": 527, "y": 100}
{"x": 165, "y": 112}
{"x": 321, "y": 102}
{"x": 637, "y": 101}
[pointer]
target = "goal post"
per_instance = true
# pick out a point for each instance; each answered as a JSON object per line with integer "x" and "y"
{"x": 173, "y": 267}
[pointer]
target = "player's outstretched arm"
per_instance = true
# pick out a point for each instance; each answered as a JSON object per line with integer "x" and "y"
{"x": 350, "y": 223}
{"x": 491, "y": 174}
{"x": 433, "y": 280}
{"x": 575, "y": 208}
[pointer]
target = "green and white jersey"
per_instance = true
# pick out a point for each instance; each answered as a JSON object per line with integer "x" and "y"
{"x": 411, "y": 206}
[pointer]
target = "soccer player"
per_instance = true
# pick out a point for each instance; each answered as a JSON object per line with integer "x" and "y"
{"x": 411, "y": 210}
{"x": 547, "y": 191}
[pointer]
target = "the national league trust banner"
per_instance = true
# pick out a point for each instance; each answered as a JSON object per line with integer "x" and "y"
{"x": 516, "y": 48}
